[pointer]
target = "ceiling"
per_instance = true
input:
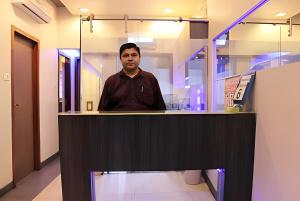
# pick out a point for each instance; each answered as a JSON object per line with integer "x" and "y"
{"x": 58, "y": 3}
{"x": 145, "y": 8}
{"x": 180, "y": 8}
{"x": 268, "y": 11}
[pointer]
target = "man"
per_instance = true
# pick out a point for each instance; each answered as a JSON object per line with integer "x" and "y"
{"x": 131, "y": 89}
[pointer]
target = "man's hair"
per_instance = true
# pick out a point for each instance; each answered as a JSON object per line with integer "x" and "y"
{"x": 129, "y": 46}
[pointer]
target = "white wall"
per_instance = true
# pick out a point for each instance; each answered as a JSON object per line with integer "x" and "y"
{"x": 255, "y": 39}
{"x": 46, "y": 33}
{"x": 68, "y": 34}
{"x": 277, "y": 164}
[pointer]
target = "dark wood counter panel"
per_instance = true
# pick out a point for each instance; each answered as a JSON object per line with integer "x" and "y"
{"x": 158, "y": 142}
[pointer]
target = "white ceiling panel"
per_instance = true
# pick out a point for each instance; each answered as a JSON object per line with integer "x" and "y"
{"x": 151, "y": 8}
{"x": 269, "y": 10}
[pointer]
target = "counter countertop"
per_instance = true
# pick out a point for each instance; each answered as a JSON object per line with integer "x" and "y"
{"x": 168, "y": 112}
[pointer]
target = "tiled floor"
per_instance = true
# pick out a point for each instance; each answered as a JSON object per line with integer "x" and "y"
{"x": 45, "y": 185}
{"x": 33, "y": 184}
{"x": 159, "y": 186}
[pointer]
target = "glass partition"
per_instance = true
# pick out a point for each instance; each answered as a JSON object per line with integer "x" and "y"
{"x": 166, "y": 50}
{"x": 252, "y": 46}
{"x": 196, "y": 80}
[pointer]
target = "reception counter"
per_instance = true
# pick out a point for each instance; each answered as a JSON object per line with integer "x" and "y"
{"x": 159, "y": 141}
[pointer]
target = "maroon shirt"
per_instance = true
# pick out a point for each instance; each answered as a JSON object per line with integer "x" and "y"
{"x": 123, "y": 93}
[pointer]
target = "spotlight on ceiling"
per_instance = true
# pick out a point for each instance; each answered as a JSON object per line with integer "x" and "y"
{"x": 167, "y": 10}
{"x": 84, "y": 10}
{"x": 280, "y": 14}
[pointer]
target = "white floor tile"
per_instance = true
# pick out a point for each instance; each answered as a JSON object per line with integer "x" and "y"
{"x": 174, "y": 196}
{"x": 115, "y": 197}
{"x": 52, "y": 192}
{"x": 158, "y": 186}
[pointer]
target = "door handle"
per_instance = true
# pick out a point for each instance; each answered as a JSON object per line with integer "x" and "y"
{"x": 17, "y": 105}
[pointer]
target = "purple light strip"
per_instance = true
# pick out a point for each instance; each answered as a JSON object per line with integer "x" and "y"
{"x": 195, "y": 54}
{"x": 92, "y": 175}
{"x": 249, "y": 12}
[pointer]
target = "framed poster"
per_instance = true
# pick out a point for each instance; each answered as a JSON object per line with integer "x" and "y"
{"x": 230, "y": 86}
{"x": 242, "y": 92}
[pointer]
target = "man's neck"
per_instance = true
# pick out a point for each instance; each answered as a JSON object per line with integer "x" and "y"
{"x": 131, "y": 73}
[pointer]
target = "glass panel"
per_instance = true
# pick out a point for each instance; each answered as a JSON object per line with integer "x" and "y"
{"x": 245, "y": 48}
{"x": 165, "y": 46}
{"x": 255, "y": 45}
{"x": 196, "y": 82}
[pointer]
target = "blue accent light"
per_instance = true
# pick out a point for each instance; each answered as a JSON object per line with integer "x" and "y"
{"x": 92, "y": 176}
{"x": 220, "y": 187}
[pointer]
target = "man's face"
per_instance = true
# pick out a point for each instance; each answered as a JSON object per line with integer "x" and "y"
{"x": 130, "y": 59}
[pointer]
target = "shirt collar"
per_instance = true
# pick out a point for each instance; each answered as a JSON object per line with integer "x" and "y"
{"x": 139, "y": 74}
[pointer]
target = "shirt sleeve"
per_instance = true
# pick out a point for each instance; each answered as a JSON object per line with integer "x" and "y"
{"x": 160, "y": 103}
{"x": 104, "y": 100}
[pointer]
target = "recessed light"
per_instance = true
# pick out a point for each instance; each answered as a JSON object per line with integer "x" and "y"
{"x": 84, "y": 10}
{"x": 167, "y": 10}
{"x": 280, "y": 14}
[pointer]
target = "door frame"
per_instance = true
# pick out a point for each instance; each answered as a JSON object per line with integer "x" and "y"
{"x": 35, "y": 93}
{"x": 64, "y": 81}
{"x": 77, "y": 77}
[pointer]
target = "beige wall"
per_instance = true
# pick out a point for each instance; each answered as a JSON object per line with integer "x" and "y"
{"x": 68, "y": 34}
{"x": 46, "y": 33}
{"x": 277, "y": 164}
{"x": 255, "y": 39}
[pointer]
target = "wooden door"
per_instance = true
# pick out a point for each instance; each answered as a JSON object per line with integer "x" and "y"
{"x": 25, "y": 130}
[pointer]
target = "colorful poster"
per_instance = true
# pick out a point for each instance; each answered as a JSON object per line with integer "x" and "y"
{"x": 243, "y": 90}
{"x": 230, "y": 86}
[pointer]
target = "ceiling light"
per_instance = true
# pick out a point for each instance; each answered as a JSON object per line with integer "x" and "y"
{"x": 167, "y": 10}
{"x": 84, "y": 10}
{"x": 280, "y": 14}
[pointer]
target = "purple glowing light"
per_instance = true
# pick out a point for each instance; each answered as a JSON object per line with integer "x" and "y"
{"x": 221, "y": 170}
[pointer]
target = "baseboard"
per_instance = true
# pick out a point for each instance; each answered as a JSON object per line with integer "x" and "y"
{"x": 209, "y": 184}
{"x": 7, "y": 188}
{"x": 50, "y": 159}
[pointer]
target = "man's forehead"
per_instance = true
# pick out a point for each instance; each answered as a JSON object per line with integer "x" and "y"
{"x": 130, "y": 50}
